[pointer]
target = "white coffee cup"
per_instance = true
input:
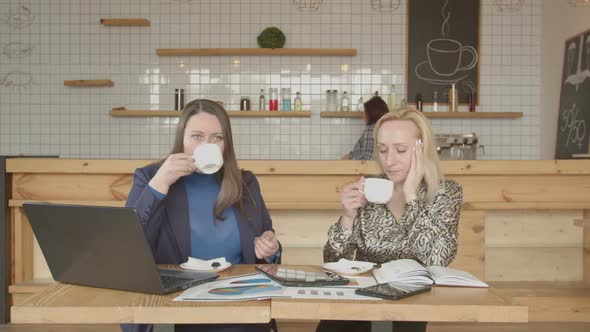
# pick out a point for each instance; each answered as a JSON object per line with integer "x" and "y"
{"x": 208, "y": 158}
{"x": 378, "y": 191}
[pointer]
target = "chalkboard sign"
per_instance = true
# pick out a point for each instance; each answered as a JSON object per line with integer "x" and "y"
{"x": 574, "y": 103}
{"x": 443, "y": 48}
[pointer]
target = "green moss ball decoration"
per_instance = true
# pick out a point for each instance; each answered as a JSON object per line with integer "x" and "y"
{"x": 271, "y": 37}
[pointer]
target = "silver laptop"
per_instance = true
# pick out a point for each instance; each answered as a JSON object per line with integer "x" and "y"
{"x": 103, "y": 247}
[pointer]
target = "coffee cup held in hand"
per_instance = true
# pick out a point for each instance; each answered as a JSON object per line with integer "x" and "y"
{"x": 378, "y": 191}
{"x": 208, "y": 158}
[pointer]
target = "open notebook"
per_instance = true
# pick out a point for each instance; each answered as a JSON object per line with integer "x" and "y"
{"x": 407, "y": 273}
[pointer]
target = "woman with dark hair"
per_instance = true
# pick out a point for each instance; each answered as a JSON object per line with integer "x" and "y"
{"x": 185, "y": 212}
{"x": 375, "y": 108}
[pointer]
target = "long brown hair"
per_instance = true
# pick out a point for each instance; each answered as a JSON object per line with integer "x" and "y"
{"x": 432, "y": 171}
{"x": 229, "y": 176}
{"x": 375, "y": 108}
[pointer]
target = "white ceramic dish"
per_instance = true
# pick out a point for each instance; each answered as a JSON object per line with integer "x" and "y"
{"x": 188, "y": 266}
{"x": 350, "y": 268}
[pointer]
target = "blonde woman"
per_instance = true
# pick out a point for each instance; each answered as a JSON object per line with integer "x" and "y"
{"x": 419, "y": 222}
{"x": 185, "y": 212}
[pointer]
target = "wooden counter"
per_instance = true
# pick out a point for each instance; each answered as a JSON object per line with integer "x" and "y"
{"x": 522, "y": 221}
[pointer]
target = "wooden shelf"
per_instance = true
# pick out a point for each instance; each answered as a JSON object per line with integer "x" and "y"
{"x": 233, "y": 114}
{"x": 359, "y": 115}
{"x": 436, "y": 115}
{"x": 473, "y": 115}
{"x": 125, "y": 22}
{"x": 83, "y": 83}
{"x": 273, "y": 114}
{"x": 256, "y": 51}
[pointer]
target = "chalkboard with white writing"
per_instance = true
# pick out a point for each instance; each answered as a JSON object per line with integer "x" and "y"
{"x": 574, "y": 103}
{"x": 443, "y": 48}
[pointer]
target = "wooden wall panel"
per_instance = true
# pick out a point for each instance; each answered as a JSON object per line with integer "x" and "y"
{"x": 533, "y": 228}
{"x": 543, "y": 184}
{"x": 533, "y": 264}
{"x": 71, "y": 186}
{"x": 586, "y": 230}
{"x": 40, "y": 268}
{"x": 303, "y": 256}
{"x": 311, "y": 188}
{"x": 537, "y": 188}
{"x": 303, "y": 228}
{"x": 22, "y": 265}
{"x": 471, "y": 252}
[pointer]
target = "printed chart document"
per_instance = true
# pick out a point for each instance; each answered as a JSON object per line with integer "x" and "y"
{"x": 412, "y": 274}
{"x": 241, "y": 288}
{"x": 257, "y": 286}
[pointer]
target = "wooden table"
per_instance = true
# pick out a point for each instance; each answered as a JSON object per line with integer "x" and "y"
{"x": 70, "y": 304}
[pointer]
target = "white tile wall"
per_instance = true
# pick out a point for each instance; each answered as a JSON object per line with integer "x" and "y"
{"x": 69, "y": 43}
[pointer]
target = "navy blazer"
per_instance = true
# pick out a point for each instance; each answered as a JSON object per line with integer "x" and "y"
{"x": 167, "y": 226}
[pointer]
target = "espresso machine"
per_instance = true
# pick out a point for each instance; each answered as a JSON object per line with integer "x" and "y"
{"x": 457, "y": 146}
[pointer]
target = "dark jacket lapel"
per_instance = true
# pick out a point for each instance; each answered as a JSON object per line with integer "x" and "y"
{"x": 246, "y": 237}
{"x": 178, "y": 214}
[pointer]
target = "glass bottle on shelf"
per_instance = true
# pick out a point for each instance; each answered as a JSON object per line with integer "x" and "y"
{"x": 360, "y": 105}
{"x": 345, "y": 102}
{"x": 453, "y": 98}
{"x": 472, "y": 101}
{"x": 419, "y": 102}
{"x": 297, "y": 104}
{"x": 261, "y": 101}
{"x": 244, "y": 103}
{"x": 273, "y": 99}
{"x": 285, "y": 99}
{"x": 435, "y": 101}
{"x": 392, "y": 98}
{"x": 331, "y": 100}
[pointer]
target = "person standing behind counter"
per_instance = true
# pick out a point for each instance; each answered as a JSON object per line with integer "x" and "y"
{"x": 185, "y": 212}
{"x": 419, "y": 222}
{"x": 375, "y": 108}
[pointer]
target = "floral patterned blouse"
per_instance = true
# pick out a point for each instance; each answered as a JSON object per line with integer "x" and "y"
{"x": 426, "y": 232}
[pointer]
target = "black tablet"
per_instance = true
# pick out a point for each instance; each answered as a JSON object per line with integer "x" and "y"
{"x": 300, "y": 278}
{"x": 389, "y": 292}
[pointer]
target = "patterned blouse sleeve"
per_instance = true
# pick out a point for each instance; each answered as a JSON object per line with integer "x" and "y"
{"x": 432, "y": 230}
{"x": 341, "y": 243}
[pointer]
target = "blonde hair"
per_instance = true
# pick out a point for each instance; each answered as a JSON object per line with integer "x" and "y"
{"x": 432, "y": 172}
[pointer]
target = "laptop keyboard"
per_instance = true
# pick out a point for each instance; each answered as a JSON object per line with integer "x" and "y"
{"x": 169, "y": 282}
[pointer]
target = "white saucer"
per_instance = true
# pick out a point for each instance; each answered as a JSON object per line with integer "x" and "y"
{"x": 222, "y": 267}
{"x": 424, "y": 72}
{"x": 349, "y": 268}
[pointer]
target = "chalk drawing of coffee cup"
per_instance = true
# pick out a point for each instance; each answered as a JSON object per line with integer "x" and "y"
{"x": 445, "y": 56}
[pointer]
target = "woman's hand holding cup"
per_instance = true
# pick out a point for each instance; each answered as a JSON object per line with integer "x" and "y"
{"x": 174, "y": 167}
{"x": 352, "y": 199}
